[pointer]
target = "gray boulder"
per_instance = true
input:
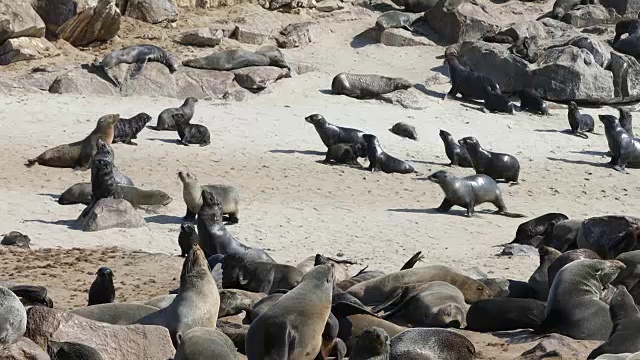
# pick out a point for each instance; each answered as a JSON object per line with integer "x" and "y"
{"x": 152, "y": 11}
{"x": 258, "y": 78}
{"x": 559, "y": 347}
{"x": 79, "y": 81}
{"x": 201, "y": 37}
{"x": 587, "y": 15}
{"x": 26, "y": 48}
{"x": 57, "y": 12}
{"x": 18, "y": 19}
{"x": 99, "y": 23}
{"x": 297, "y": 35}
{"x": 510, "y": 72}
{"x": 407, "y": 98}
{"x": 466, "y": 22}
{"x": 13, "y": 318}
{"x": 627, "y": 8}
{"x": 23, "y": 349}
{"x": 626, "y": 76}
{"x": 599, "y": 49}
{"x": 402, "y": 37}
{"x": 108, "y": 214}
{"x": 252, "y": 33}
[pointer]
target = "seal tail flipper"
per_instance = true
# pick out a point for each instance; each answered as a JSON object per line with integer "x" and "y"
{"x": 509, "y": 214}
{"x": 412, "y": 261}
{"x": 136, "y": 69}
{"x": 31, "y": 162}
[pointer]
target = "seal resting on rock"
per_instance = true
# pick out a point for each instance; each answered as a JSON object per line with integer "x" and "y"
{"x": 138, "y": 55}
{"x": 579, "y": 123}
{"x": 424, "y": 343}
{"x": 494, "y": 101}
{"x": 496, "y": 165}
{"x": 467, "y": 83}
{"x": 228, "y": 60}
{"x": 532, "y": 103}
{"x": 396, "y": 19}
{"x": 166, "y": 120}
{"x": 258, "y": 276}
{"x": 191, "y": 133}
{"x": 404, "y": 130}
{"x": 455, "y": 152}
{"x": 128, "y": 129}
{"x": 105, "y": 152}
{"x": 192, "y": 195}
{"x": 331, "y": 134}
{"x": 71, "y": 350}
{"x": 102, "y": 290}
{"x": 78, "y": 155}
{"x": 366, "y": 86}
{"x": 380, "y": 160}
{"x": 561, "y": 7}
{"x": 625, "y": 150}
{"x": 469, "y": 191}
{"x": 625, "y": 26}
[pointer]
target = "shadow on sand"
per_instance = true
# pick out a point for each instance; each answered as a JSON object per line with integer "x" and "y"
{"x": 303, "y": 152}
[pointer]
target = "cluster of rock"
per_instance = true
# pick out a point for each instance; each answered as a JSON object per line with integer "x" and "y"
{"x": 22, "y": 33}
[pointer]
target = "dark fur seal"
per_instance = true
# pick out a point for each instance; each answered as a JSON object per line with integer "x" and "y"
{"x": 468, "y": 84}
{"x": 625, "y": 150}
{"x": 366, "y": 86}
{"x": 494, "y": 101}
{"x": 561, "y": 7}
{"x": 531, "y": 232}
{"x": 539, "y": 281}
{"x": 187, "y": 238}
{"x": 214, "y": 237}
{"x": 629, "y": 45}
{"x": 567, "y": 258}
{"x": 104, "y": 151}
{"x": 396, "y": 19}
{"x": 505, "y": 314}
{"x": 532, "y": 103}
{"x": 420, "y": 343}
{"x": 166, "y": 120}
{"x": 455, "y": 152}
{"x": 128, "y": 129}
{"x": 32, "y": 295}
{"x": 496, "y": 165}
{"x": 468, "y": 192}
{"x": 609, "y": 235}
{"x": 71, "y": 351}
{"x": 626, "y": 120}
{"x": 191, "y": 133}
{"x": 579, "y": 123}
{"x": 138, "y": 55}
{"x": 102, "y": 290}
{"x": 103, "y": 184}
{"x": 192, "y": 195}
{"x": 343, "y": 154}
{"x": 625, "y": 26}
{"x": 415, "y": 6}
{"x": 228, "y": 60}
{"x": 331, "y": 134}
{"x": 78, "y": 155}
{"x": 380, "y": 160}
{"x": 404, "y": 130}
{"x": 15, "y": 238}
{"x": 372, "y": 344}
{"x": 205, "y": 343}
{"x": 258, "y": 276}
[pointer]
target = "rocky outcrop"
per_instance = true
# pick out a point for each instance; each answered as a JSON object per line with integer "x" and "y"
{"x": 258, "y": 78}
{"x": 466, "y": 22}
{"x": 402, "y": 37}
{"x": 13, "y": 317}
{"x": 99, "y": 23}
{"x": 409, "y": 99}
{"x": 18, "y": 19}
{"x": 110, "y": 214}
{"x": 79, "y": 81}
{"x": 628, "y": 8}
{"x": 57, "y": 12}
{"x": 559, "y": 347}
{"x": 494, "y": 60}
{"x": 252, "y": 33}
{"x": 201, "y": 37}
{"x": 297, "y": 35}
{"x": 549, "y": 32}
{"x": 26, "y": 48}
{"x": 23, "y": 349}
{"x": 587, "y": 15}
{"x": 152, "y": 11}
{"x": 626, "y": 76}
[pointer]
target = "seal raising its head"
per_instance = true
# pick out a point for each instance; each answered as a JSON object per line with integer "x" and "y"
{"x": 579, "y": 123}
{"x": 331, "y": 134}
{"x": 371, "y": 344}
{"x": 455, "y": 152}
{"x": 192, "y": 194}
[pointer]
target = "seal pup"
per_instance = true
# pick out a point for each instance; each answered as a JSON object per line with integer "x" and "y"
{"x": 292, "y": 328}
{"x": 433, "y": 343}
{"x": 331, "y": 134}
{"x": 469, "y": 191}
{"x": 78, "y": 155}
{"x": 196, "y": 304}
{"x": 346, "y": 154}
{"x": 625, "y": 150}
{"x": 468, "y": 84}
{"x": 404, "y": 130}
{"x": 531, "y": 232}
{"x": 396, "y": 19}
{"x": 258, "y": 276}
{"x": 235, "y": 301}
{"x": 166, "y": 120}
{"x": 192, "y": 195}
{"x": 625, "y": 336}
{"x": 214, "y": 237}
{"x": 579, "y": 123}
{"x": 505, "y": 314}
{"x": 138, "y": 55}
{"x": 191, "y": 133}
{"x": 494, "y": 101}
{"x": 102, "y": 290}
{"x": 574, "y": 307}
{"x": 626, "y": 120}
{"x": 380, "y": 160}
{"x": 539, "y": 281}
{"x": 187, "y": 238}
{"x": 456, "y": 153}
{"x": 205, "y": 343}
{"x": 105, "y": 152}
{"x": 496, "y": 165}
{"x": 625, "y": 26}
{"x": 531, "y": 102}
{"x": 128, "y": 129}
{"x": 372, "y": 344}
{"x": 71, "y": 351}
{"x": 366, "y": 86}
{"x": 13, "y": 317}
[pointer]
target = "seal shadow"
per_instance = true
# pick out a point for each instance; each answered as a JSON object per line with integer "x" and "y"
{"x": 579, "y": 162}
{"x": 481, "y": 108}
{"x": 55, "y": 197}
{"x": 429, "y": 92}
{"x": 303, "y": 152}
{"x": 168, "y": 141}
{"x": 99, "y": 72}
{"x": 442, "y": 69}
{"x": 428, "y": 162}
{"x": 453, "y": 212}
{"x": 164, "y": 219}
{"x": 594, "y": 153}
{"x": 71, "y": 224}
{"x": 368, "y": 37}
{"x": 326, "y": 91}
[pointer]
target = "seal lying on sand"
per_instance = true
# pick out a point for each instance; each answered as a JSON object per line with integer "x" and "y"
{"x": 579, "y": 123}
{"x": 625, "y": 150}
{"x": 380, "y": 160}
{"x": 258, "y": 276}
{"x": 494, "y": 101}
{"x": 531, "y": 102}
{"x": 128, "y": 129}
{"x": 372, "y": 344}
{"x": 437, "y": 343}
{"x": 404, "y": 130}
{"x": 138, "y": 55}
{"x": 496, "y": 165}
{"x": 166, "y": 120}
{"x": 531, "y": 232}
{"x": 331, "y": 134}
{"x": 78, "y": 155}
{"x": 467, "y": 83}
{"x": 455, "y": 152}
{"x": 505, "y": 314}
{"x": 81, "y": 193}
{"x": 366, "y": 86}
{"x": 102, "y": 290}
{"x": 228, "y": 60}
{"x": 192, "y": 195}
{"x": 469, "y": 191}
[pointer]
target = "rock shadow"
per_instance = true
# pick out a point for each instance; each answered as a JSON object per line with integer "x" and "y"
{"x": 368, "y": 37}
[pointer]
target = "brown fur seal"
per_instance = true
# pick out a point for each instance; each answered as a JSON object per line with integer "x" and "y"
{"x": 563, "y": 235}
{"x": 197, "y": 302}
{"x": 236, "y": 332}
{"x": 574, "y": 307}
{"x": 81, "y": 193}
{"x": 192, "y": 194}
{"x": 380, "y": 160}
{"x": 205, "y": 343}
{"x": 115, "y": 313}
{"x": 138, "y": 55}
{"x": 78, "y": 155}
{"x": 160, "y": 301}
{"x": 539, "y": 280}
{"x": 71, "y": 351}
{"x": 425, "y": 343}
{"x": 166, "y": 120}
{"x": 234, "y": 301}
{"x": 505, "y": 314}
{"x": 496, "y": 165}
{"x": 404, "y": 130}
{"x": 340, "y": 271}
{"x": 331, "y": 134}
{"x": 456, "y": 153}
{"x": 366, "y": 86}
{"x": 625, "y": 149}
{"x": 371, "y": 344}
{"x": 258, "y": 276}
{"x": 292, "y": 328}
{"x": 609, "y": 235}
{"x": 579, "y": 123}
{"x": 630, "y": 276}
{"x": 102, "y": 290}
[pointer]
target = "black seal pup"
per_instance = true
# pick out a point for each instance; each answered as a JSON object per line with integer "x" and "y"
{"x": 579, "y": 123}
{"x": 166, "y": 120}
{"x": 191, "y": 133}
{"x": 128, "y": 129}
{"x": 494, "y": 101}
{"x": 467, "y": 83}
{"x": 626, "y": 121}
{"x": 71, "y": 350}
{"x": 187, "y": 238}
{"x": 625, "y": 150}
{"x": 625, "y": 26}
{"x": 105, "y": 152}
{"x": 331, "y": 134}
{"x": 455, "y": 152}
{"x": 532, "y": 232}
{"x": 405, "y": 130}
{"x": 366, "y": 86}
{"x": 505, "y": 314}
{"x": 496, "y": 165}
{"x": 343, "y": 154}
{"x": 532, "y": 103}
{"x": 102, "y": 290}
{"x": 468, "y": 192}
{"x": 380, "y": 160}
{"x": 138, "y": 55}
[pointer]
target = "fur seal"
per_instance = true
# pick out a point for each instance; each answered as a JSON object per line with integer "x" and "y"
{"x": 626, "y": 119}
{"x": 625, "y": 336}
{"x": 625, "y": 26}
{"x": 505, "y": 314}
{"x": 15, "y": 238}
{"x": 563, "y": 235}
{"x": 366, "y": 86}
{"x": 197, "y": 302}
{"x": 561, "y": 7}
{"x": 424, "y": 343}
{"x": 138, "y": 55}
{"x": 71, "y": 351}
{"x": 496, "y": 165}
{"x": 630, "y": 276}
{"x": 13, "y": 317}
{"x": 456, "y": 153}
{"x": 258, "y": 276}
{"x": 579, "y": 123}
{"x": 115, "y": 313}
{"x": 494, "y": 101}
{"x": 609, "y": 235}
{"x": 205, "y": 343}
{"x": 629, "y": 45}
{"x": 405, "y": 130}
{"x": 275, "y": 55}
{"x": 166, "y": 120}
{"x": 567, "y": 258}
{"x": 229, "y": 60}
{"x": 128, "y": 129}
{"x": 396, "y": 19}
{"x": 380, "y": 160}
{"x": 78, "y": 155}
{"x": 539, "y": 281}
{"x": 292, "y": 328}
{"x": 343, "y": 154}
{"x": 32, "y": 295}
{"x": 468, "y": 192}
{"x": 340, "y": 271}
{"x": 192, "y": 195}
{"x": 531, "y": 232}
{"x": 187, "y": 238}
{"x": 102, "y": 290}
{"x": 372, "y": 344}
{"x": 625, "y": 149}
{"x": 234, "y": 301}
{"x": 79, "y": 193}
{"x": 331, "y": 134}
{"x": 468, "y": 84}
{"x": 214, "y": 237}
{"x": 574, "y": 307}
{"x": 191, "y": 133}
{"x": 104, "y": 151}
{"x": 531, "y": 102}
{"x": 526, "y": 48}
{"x": 415, "y": 6}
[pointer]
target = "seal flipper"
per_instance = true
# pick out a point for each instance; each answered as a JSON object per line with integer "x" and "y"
{"x": 412, "y": 262}
{"x": 268, "y": 282}
{"x": 397, "y": 296}
{"x": 137, "y": 68}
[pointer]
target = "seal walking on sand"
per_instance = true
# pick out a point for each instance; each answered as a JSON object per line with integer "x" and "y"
{"x": 192, "y": 195}
{"x": 579, "y": 123}
{"x": 102, "y": 290}
{"x": 331, "y": 134}
{"x": 191, "y": 133}
{"x": 496, "y": 165}
{"x": 469, "y": 191}
{"x": 78, "y": 155}
{"x": 467, "y": 83}
{"x": 380, "y": 160}
{"x": 128, "y": 129}
{"x": 455, "y": 152}
{"x": 494, "y": 101}
{"x": 531, "y": 102}
{"x": 366, "y": 86}
{"x": 625, "y": 150}
{"x": 404, "y": 130}
{"x": 138, "y": 55}
{"x": 166, "y": 120}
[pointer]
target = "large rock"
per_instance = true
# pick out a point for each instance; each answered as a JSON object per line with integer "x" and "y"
{"x": 628, "y": 8}
{"x": 57, "y": 12}
{"x": 79, "y": 81}
{"x": 13, "y": 317}
{"x": 599, "y": 49}
{"x": 109, "y": 214}
{"x": 297, "y": 35}
{"x": 587, "y": 15}
{"x": 18, "y": 19}
{"x": 99, "y": 23}
{"x": 113, "y": 342}
{"x": 252, "y": 33}
{"x": 23, "y": 349}
{"x": 409, "y": 99}
{"x": 557, "y": 346}
{"x": 549, "y": 32}
{"x": 402, "y": 37}
{"x": 257, "y": 78}
{"x": 201, "y": 37}
{"x": 494, "y": 60}
{"x": 466, "y": 22}
{"x": 626, "y": 76}
{"x": 152, "y": 11}
{"x": 26, "y": 48}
